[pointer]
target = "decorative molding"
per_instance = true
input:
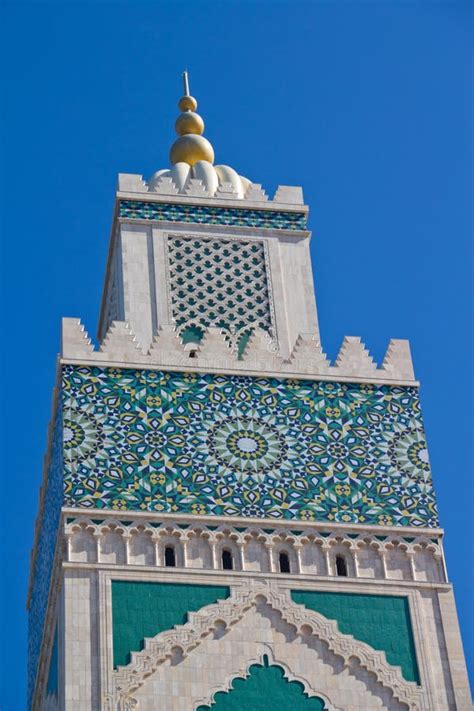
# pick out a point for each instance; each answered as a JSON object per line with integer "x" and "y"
{"x": 343, "y": 529}
{"x": 394, "y": 554}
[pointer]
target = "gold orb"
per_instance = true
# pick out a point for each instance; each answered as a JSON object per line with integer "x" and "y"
{"x": 191, "y": 148}
{"x": 189, "y": 122}
{"x": 187, "y": 103}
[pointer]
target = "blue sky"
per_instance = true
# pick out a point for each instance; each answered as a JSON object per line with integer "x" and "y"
{"x": 365, "y": 104}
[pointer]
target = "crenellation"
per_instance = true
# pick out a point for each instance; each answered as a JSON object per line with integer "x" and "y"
{"x": 256, "y": 193}
{"x": 307, "y": 356}
{"x": 75, "y": 341}
{"x": 163, "y": 186}
{"x": 195, "y": 187}
{"x": 202, "y": 182}
{"x": 166, "y": 347}
{"x": 354, "y": 359}
{"x": 226, "y": 190}
{"x": 120, "y": 341}
{"x": 215, "y": 351}
{"x": 260, "y": 353}
{"x": 289, "y": 195}
{"x": 130, "y": 183}
{"x": 398, "y": 359}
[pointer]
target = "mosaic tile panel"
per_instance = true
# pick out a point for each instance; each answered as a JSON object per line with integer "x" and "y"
{"x": 45, "y": 553}
{"x": 206, "y": 215}
{"x": 245, "y": 446}
{"x": 220, "y": 283}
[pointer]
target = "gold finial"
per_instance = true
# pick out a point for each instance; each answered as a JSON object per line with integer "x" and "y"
{"x": 187, "y": 102}
{"x": 191, "y": 146}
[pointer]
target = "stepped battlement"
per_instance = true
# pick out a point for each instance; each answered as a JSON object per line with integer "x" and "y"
{"x": 215, "y": 354}
{"x": 224, "y": 186}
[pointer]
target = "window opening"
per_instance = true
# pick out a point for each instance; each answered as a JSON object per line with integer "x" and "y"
{"x": 284, "y": 562}
{"x": 227, "y": 562}
{"x": 341, "y": 566}
{"x": 170, "y": 557}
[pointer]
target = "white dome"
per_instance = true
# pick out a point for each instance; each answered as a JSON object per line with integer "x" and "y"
{"x": 212, "y": 177}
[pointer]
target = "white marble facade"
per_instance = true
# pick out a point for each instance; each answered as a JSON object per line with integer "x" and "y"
{"x": 182, "y": 669}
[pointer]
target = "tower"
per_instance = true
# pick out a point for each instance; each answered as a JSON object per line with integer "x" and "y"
{"x": 227, "y": 520}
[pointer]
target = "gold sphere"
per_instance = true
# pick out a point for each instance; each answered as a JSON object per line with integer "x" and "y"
{"x": 189, "y": 122}
{"x": 187, "y": 103}
{"x": 191, "y": 148}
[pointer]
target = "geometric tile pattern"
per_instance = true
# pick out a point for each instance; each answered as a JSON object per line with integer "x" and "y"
{"x": 45, "y": 550}
{"x": 245, "y": 446}
{"x": 200, "y": 214}
{"x": 220, "y": 283}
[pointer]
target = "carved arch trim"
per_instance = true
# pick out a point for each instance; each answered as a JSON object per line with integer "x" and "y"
{"x": 288, "y": 674}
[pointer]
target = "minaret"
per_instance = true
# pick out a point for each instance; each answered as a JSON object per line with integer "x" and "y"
{"x": 227, "y": 519}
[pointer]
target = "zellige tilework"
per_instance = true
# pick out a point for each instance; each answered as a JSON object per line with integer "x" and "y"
{"x": 245, "y": 446}
{"x": 203, "y": 214}
{"x": 45, "y": 551}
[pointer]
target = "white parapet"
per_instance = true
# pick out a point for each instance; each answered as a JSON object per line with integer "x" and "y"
{"x": 216, "y": 353}
{"x": 206, "y": 181}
